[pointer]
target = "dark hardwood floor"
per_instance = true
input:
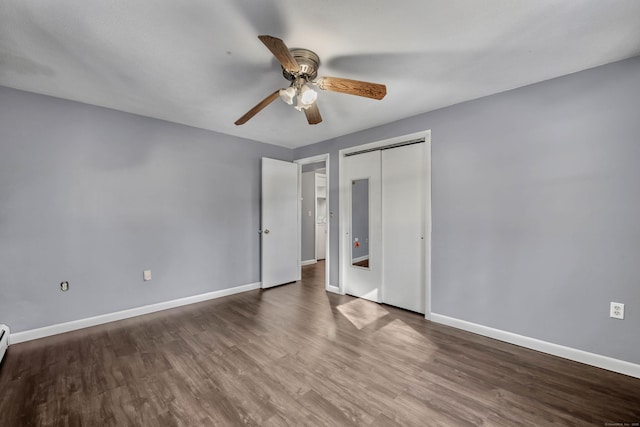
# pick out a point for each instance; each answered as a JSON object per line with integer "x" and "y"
{"x": 296, "y": 355}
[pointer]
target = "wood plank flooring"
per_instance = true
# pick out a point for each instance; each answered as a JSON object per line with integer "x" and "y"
{"x": 295, "y": 355}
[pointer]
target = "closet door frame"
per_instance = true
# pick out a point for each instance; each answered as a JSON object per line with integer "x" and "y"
{"x": 344, "y": 214}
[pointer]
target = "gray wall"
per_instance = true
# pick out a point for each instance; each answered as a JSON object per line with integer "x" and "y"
{"x": 535, "y": 208}
{"x": 308, "y": 223}
{"x": 95, "y": 196}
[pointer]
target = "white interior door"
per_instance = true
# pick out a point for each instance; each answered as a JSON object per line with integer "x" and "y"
{"x": 403, "y": 229}
{"x": 363, "y": 263}
{"x": 280, "y": 255}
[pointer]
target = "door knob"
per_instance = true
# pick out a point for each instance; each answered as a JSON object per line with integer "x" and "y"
{"x": 266, "y": 231}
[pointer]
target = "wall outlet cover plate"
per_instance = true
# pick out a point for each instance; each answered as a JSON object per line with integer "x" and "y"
{"x": 617, "y": 310}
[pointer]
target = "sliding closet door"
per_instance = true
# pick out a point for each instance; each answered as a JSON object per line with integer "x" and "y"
{"x": 363, "y": 262}
{"x": 403, "y": 233}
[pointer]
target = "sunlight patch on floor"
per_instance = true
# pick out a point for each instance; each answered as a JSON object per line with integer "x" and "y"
{"x": 361, "y": 312}
{"x": 398, "y": 328}
{"x": 403, "y": 334}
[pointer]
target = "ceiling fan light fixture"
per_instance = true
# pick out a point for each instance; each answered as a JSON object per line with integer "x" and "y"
{"x": 307, "y": 95}
{"x": 306, "y": 98}
{"x": 288, "y": 94}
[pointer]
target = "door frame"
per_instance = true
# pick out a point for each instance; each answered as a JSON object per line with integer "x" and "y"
{"x": 327, "y": 262}
{"x": 344, "y": 215}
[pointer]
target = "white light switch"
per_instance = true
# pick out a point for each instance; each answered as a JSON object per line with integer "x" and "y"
{"x": 309, "y": 213}
{"x": 146, "y": 275}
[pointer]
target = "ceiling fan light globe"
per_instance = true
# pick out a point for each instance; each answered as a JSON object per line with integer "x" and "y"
{"x": 307, "y": 96}
{"x": 287, "y": 95}
{"x": 300, "y": 106}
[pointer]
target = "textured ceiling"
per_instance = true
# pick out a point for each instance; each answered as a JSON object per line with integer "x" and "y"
{"x": 199, "y": 62}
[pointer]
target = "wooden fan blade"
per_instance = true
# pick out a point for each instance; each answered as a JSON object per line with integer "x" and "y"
{"x": 281, "y": 52}
{"x": 352, "y": 87}
{"x": 259, "y": 106}
{"x": 313, "y": 114}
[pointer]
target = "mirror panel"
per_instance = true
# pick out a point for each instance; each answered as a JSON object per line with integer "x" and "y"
{"x": 360, "y": 223}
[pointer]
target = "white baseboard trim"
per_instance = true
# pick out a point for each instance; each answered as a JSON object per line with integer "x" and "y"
{"x": 581, "y": 356}
{"x": 360, "y": 259}
{"x": 308, "y": 262}
{"x": 60, "y": 328}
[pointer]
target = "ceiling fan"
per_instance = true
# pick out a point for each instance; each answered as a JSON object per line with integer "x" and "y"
{"x": 300, "y": 67}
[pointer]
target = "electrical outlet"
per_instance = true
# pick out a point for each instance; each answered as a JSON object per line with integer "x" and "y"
{"x": 146, "y": 275}
{"x": 617, "y": 310}
{"x": 64, "y": 286}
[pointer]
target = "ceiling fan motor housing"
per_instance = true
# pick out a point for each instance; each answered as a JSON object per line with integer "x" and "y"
{"x": 309, "y": 63}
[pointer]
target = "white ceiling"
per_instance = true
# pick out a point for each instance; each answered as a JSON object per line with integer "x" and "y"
{"x": 200, "y": 63}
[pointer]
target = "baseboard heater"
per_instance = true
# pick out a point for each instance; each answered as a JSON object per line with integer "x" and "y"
{"x": 4, "y": 340}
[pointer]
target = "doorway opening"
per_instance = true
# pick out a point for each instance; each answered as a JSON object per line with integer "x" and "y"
{"x": 315, "y": 217}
